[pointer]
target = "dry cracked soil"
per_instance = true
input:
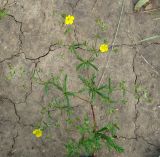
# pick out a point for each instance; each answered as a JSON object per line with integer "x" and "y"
{"x": 27, "y": 43}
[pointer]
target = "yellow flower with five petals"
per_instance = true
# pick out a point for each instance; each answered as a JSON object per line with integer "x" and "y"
{"x": 69, "y": 20}
{"x": 37, "y": 132}
{"x": 104, "y": 48}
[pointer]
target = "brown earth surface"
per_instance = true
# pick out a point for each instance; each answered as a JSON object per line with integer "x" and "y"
{"x": 27, "y": 43}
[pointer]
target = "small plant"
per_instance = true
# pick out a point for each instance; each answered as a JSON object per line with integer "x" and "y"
{"x": 12, "y": 72}
{"x": 68, "y": 21}
{"x": 101, "y": 24}
{"x": 3, "y": 13}
{"x": 62, "y": 87}
{"x": 15, "y": 72}
{"x": 92, "y": 137}
{"x": 142, "y": 93}
{"x": 92, "y": 89}
{"x": 86, "y": 64}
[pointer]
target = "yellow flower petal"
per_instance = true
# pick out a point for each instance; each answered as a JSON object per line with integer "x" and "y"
{"x": 103, "y": 48}
{"x": 69, "y": 20}
{"x": 72, "y": 18}
{"x": 37, "y": 132}
{"x": 34, "y": 132}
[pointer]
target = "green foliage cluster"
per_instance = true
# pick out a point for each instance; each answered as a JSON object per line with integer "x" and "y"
{"x": 92, "y": 141}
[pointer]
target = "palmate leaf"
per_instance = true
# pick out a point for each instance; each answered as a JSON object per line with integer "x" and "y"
{"x": 53, "y": 81}
{"x": 89, "y": 83}
{"x": 92, "y": 88}
{"x": 85, "y": 64}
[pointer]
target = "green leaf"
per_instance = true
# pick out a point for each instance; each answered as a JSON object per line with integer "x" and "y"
{"x": 65, "y": 84}
{"x": 85, "y": 64}
{"x": 85, "y": 127}
{"x": 92, "y": 65}
{"x": 90, "y": 144}
{"x": 46, "y": 88}
{"x": 92, "y": 88}
{"x": 101, "y": 24}
{"x": 72, "y": 149}
{"x": 112, "y": 128}
{"x": 79, "y": 58}
{"x": 67, "y": 99}
{"x": 79, "y": 66}
{"x": 102, "y": 86}
{"x": 111, "y": 143}
{"x": 110, "y": 111}
{"x": 140, "y": 4}
{"x": 70, "y": 93}
{"x": 122, "y": 86}
{"x": 102, "y": 95}
{"x": 3, "y": 13}
{"x": 68, "y": 30}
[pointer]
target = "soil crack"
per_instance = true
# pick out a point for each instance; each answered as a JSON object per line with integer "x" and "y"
{"x": 14, "y": 106}
{"x": 21, "y": 34}
{"x": 11, "y": 151}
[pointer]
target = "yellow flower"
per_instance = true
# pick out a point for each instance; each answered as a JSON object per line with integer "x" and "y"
{"x": 69, "y": 20}
{"x": 37, "y": 132}
{"x": 103, "y": 48}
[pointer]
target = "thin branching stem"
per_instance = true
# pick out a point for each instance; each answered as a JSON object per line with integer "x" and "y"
{"x": 92, "y": 109}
